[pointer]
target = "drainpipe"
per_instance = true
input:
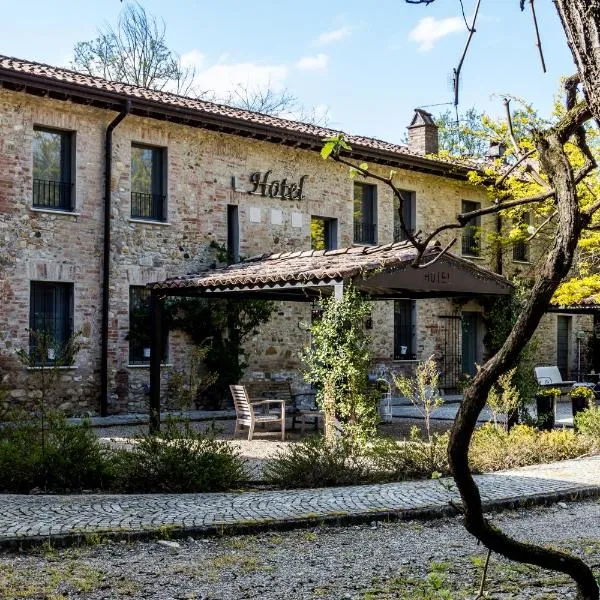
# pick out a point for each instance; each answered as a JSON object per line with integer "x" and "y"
{"x": 499, "y": 253}
{"x": 106, "y": 257}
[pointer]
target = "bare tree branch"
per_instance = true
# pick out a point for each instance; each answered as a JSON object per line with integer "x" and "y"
{"x": 538, "y": 42}
{"x": 538, "y": 229}
{"x": 458, "y": 69}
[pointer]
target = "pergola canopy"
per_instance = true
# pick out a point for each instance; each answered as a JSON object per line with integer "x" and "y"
{"x": 381, "y": 272}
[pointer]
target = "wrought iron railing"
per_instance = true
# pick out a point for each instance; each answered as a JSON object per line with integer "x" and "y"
{"x": 364, "y": 233}
{"x": 52, "y": 194}
{"x": 470, "y": 241}
{"x": 521, "y": 251}
{"x": 148, "y": 206}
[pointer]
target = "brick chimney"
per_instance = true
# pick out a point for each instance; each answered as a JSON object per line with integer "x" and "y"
{"x": 423, "y": 133}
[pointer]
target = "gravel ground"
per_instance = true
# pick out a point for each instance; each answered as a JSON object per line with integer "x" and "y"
{"x": 416, "y": 561}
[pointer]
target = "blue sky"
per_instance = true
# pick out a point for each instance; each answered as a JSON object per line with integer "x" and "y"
{"x": 368, "y": 64}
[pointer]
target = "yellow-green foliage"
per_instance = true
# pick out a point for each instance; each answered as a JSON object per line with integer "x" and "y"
{"x": 504, "y": 398}
{"x": 588, "y": 424}
{"x": 493, "y": 448}
{"x": 577, "y": 289}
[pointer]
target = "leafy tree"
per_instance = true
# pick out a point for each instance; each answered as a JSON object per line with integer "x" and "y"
{"x": 559, "y": 187}
{"x": 223, "y": 325}
{"x": 338, "y": 361}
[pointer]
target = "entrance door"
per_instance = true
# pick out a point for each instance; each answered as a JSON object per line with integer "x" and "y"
{"x": 470, "y": 321}
{"x": 563, "y": 330}
{"x": 451, "y": 355}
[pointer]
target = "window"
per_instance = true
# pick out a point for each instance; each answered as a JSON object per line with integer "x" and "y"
{"x": 50, "y": 320}
{"x": 365, "y": 229}
{"x": 408, "y": 215}
{"x": 323, "y": 233}
{"x": 140, "y": 327}
{"x": 471, "y": 235}
{"x": 405, "y": 342}
{"x": 521, "y": 246}
{"x": 52, "y": 169}
{"x": 233, "y": 234}
{"x": 148, "y": 197}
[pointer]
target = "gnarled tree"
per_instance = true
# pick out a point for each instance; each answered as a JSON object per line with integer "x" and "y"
{"x": 581, "y": 22}
{"x": 565, "y": 161}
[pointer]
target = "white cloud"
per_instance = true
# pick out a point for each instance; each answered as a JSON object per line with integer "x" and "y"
{"x": 313, "y": 63}
{"x": 429, "y": 30}
{"x": 222, "y": 78}
{"x": 334, "y": 36}
{"x": 192, "y": 59}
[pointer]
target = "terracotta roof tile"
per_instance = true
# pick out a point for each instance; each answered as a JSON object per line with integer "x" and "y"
{"x": 49, "y": 73}
{"x": 312, "y": 267}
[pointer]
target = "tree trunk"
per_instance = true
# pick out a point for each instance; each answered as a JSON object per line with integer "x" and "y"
{"x": 581, "y": 22}
{"x": 556, "y": 266}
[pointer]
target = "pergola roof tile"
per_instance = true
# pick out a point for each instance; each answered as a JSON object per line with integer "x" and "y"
{"x": 369, "y": 267}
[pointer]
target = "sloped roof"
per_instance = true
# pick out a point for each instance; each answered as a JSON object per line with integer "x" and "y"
{"x": 381, "y": 271}
{"x": 42, "y": 79}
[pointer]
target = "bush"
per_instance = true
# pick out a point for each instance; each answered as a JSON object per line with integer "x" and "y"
{"x": 318, "y": 463}
{"x": 412, "y": 459}
{"x": 178, "y": 460}
{"x": 493, "y": 448}
{"x": 68, "y": 457}
{"x": 587, "y": 423}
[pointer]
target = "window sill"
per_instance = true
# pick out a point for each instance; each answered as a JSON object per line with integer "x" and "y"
{"x": 54, "y": 211}
{"x": 148, "y": 366}
{"x": 472, "y": 256}
{"x": 359, "y": 244}
{"x": 521, "y": 262}
{"x": 406, "y": 360}
{"x": 52, "y": 367}
{"x": 149, "y": 222}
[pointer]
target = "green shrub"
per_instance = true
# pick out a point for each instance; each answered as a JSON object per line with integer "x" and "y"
{"x": 68, "y": 457}
{"x": 587, "y": 423}
{"x": 493, "y": 448}
{"x": 316, "y": 462}
{"x": 393, "y": 461}
{"x": 178, "y": 460}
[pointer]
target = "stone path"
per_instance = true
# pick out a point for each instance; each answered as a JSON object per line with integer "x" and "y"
{"x": 36, "y": 517}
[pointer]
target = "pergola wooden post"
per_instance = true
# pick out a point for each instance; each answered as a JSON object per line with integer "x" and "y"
{"x": 156, "y": 353}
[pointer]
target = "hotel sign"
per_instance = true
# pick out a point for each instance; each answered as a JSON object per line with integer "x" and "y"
{"x": 277, "y": 188}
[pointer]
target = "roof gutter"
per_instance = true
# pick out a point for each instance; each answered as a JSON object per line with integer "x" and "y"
{"x": 106, "y": 256}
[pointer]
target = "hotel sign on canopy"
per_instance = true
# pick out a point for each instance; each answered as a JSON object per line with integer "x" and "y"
{"x": 276, "y": 188}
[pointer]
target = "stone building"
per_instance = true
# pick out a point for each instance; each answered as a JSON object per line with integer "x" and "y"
{"x": 106, "y": 187}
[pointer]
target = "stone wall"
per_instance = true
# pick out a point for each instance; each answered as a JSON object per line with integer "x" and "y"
{"x": 38, "y": 245}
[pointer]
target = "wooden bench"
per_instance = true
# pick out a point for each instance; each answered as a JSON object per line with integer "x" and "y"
{"x": 300, "y": 406}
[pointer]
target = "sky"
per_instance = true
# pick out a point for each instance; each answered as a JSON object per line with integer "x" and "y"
{"x": 367, "y": 65}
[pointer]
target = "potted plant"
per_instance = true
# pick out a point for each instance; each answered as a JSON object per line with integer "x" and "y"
{"x": 545, "y": 400}
{"x": 582, "y": 397}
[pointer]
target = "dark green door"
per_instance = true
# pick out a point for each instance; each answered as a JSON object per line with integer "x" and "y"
{"x": 469, "y": 342}
{"x": 563, "y": 330}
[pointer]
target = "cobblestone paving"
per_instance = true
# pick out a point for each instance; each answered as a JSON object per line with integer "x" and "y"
{"x": 23, "y": 516}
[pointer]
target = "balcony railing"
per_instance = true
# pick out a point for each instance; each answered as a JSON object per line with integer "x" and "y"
{"x": 55, "y": 195}
{"x": 470, "y": 241}
{"x": 148, "y": 206}
{"x": 364, "y": 233}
